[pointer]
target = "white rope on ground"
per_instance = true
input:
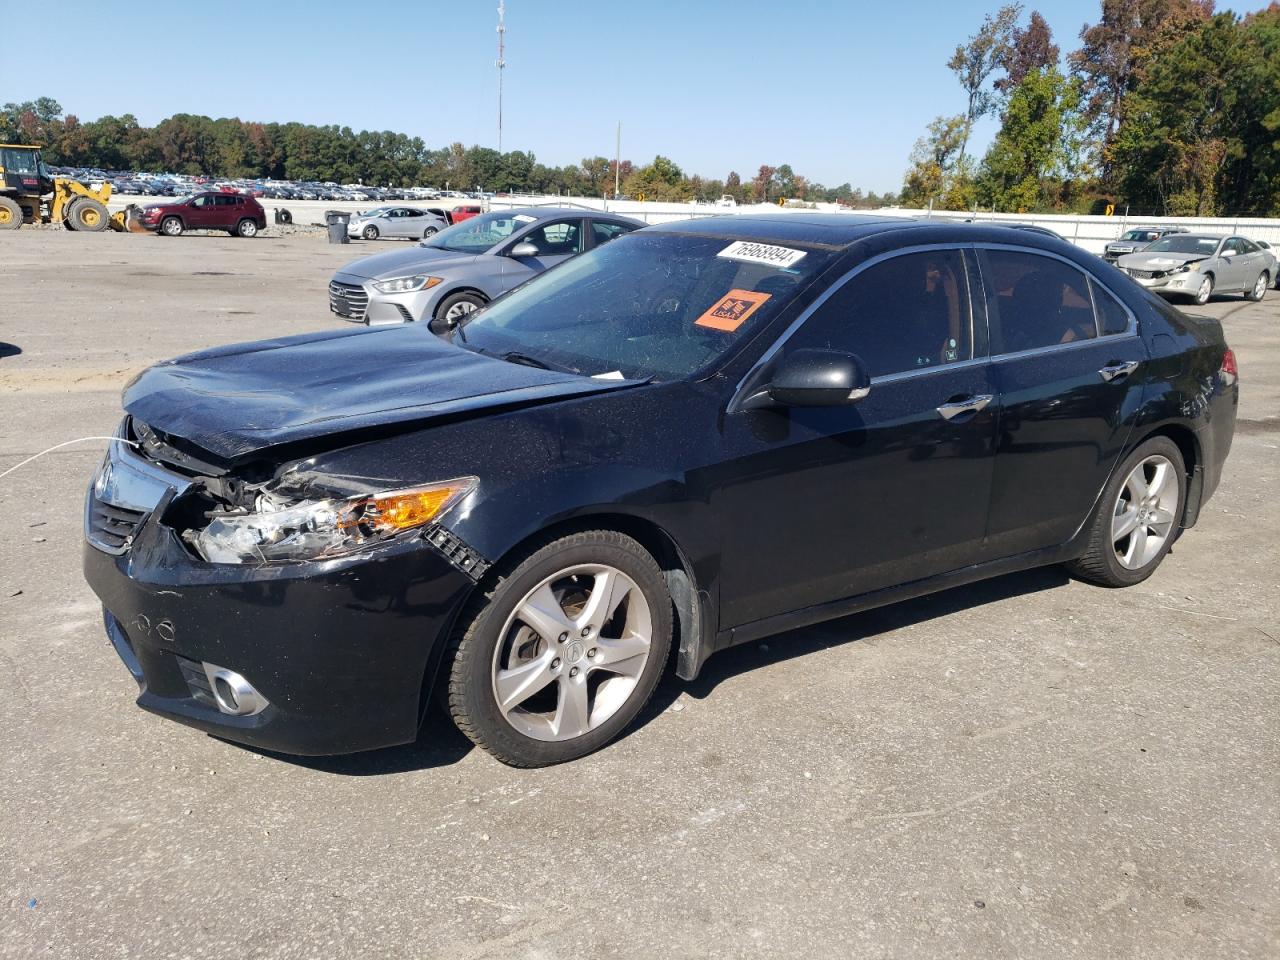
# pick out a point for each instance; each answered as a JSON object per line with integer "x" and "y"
{"x": 58, "y": 446}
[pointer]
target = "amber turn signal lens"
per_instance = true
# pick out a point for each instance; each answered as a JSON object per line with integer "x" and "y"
{"x": 389, "y": 513}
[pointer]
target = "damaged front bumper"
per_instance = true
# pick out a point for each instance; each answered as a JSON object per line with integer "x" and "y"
{"x": 341, "y": 652}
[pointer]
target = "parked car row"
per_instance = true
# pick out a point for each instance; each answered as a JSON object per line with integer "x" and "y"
{"x": 135, "y": 183}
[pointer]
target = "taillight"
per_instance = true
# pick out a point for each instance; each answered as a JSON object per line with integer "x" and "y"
{"x": 1229, "y": 364}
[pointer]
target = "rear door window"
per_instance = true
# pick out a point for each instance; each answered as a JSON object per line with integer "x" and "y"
{"x": 1035, "y": 301}
{"x": 1112, "y": 317}
{"x": 603, "y": 232}
{"x": 904, "y": 314}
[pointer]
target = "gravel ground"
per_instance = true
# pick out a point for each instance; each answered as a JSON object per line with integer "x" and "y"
{"x": 1028, "y": 767}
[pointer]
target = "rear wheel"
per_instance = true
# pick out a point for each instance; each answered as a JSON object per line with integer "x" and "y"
{"x": 1136, "y": 520}
{"x": 247, "y": 228}
{"x": 429, "y": 232}
{"x": 370, "y": 232}
{"x": 171, "y": 227}
{"x": 87, "y": 215}
{"x": 1260, "y": 287}
{"x": 10, "y": 214}
{"x": 1205, "y": 291}
{"x": 562, "y": 651}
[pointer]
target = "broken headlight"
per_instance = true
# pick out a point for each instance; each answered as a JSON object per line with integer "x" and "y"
{"x": 279, "y": 529}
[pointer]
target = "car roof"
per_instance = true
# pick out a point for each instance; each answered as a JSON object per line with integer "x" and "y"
{"x": 828, "y": 229}
{"x": 841, "y": 230}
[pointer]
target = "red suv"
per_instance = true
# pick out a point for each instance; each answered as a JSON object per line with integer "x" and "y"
{"x": 233, "y": 212}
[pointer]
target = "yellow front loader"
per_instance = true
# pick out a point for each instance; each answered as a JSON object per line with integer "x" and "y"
{"x": 28, "y": 194}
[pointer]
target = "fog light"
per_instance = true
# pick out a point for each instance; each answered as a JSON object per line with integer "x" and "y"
{"x": 234, "y": 694}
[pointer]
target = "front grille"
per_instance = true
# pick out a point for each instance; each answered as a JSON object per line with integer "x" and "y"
{"x": 348, "y": 300}
{"x": 112, "y": 528}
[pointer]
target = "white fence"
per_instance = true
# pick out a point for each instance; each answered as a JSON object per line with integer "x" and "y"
{"x": 1091, "y": 233}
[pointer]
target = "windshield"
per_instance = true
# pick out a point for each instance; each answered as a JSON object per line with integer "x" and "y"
{"x": 478, "y": 234}
{"x": 1139, "y": 235}
{"x": 648, "y": 305}
{"x": 19, "y": 160}
{"x": 1184, "y": 243}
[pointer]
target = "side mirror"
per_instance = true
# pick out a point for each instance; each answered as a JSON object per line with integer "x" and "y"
{"x": 524, "y": 249}
{"x": 816, "y": 378}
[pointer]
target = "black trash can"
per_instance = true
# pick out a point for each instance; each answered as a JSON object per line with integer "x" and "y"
{"x": 337, "y": 222}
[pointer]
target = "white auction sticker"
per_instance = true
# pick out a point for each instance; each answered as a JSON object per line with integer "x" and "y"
{"x": 523, "y": 218}
{"x": 761, "y": 253}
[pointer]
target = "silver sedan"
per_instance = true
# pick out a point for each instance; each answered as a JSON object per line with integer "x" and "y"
{"x": 1198, "y": 265}
{"x": 406, "y": 223}
{"x": 461, "y": 269}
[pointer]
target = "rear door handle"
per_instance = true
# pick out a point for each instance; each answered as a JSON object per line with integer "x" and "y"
{"x": 953, "y": 408}
{"x": 1114, "y": 371}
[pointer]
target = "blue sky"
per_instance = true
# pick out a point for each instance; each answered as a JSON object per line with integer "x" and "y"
{"x": 838, "y": 89}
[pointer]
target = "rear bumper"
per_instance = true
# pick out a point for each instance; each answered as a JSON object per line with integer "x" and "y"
{"x": 339, "y": 650}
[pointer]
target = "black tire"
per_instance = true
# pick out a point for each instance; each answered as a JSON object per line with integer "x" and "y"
{"x": 87, "y": 215}
{"x": 286, "y": 217}
{"x": 171, "y": 226}
{"x": 440, "y": 323}
{"x": 472, "y": 702}
{"x": 370, "y": 232}
{"x": 429, "y": 232}
{"x": 10, "y": 214}
{"x": 1100, "y": 564}
{"x": 1202, "y": 296}
{"x": 1259, "y": 288}
{"x": 247, "y": 228}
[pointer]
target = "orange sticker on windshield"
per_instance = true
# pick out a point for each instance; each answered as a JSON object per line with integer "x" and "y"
{"x": 732, "y": 310}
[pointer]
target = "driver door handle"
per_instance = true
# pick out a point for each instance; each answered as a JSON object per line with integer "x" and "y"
{"x": 1115, "y": 371}
{"x": 953, "y": 408}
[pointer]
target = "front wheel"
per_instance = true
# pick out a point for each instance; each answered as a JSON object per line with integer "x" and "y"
{"x": 1204, "y": 292}
{"x": 171, "y": 227}
{"x": 454, "y": 309}
{"x": 1260, "y": 287}
{"x": 10, "y": 214}
{"x": 562, "y": 651}
{"x": 370, "y": 232}
{"x": 1137, "y": 517}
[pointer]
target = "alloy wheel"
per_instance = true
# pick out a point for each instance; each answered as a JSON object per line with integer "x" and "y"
{"x": 1260, "y": 288}
{"x": 1143, "y": 519}
{"x": 572, "y": 652}
{"x": 460, "y": 310}
{"x": 1206, "y": 289}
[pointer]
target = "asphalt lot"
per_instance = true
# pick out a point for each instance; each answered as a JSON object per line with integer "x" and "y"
{"x": 1029, "y": 767}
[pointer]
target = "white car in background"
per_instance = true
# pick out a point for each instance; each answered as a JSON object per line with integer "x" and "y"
{"x": 1275, "y": 261}
{"x": 405, "y": 223}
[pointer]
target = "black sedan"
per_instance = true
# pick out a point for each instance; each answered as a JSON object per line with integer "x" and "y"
{"x": 698, "y": 435}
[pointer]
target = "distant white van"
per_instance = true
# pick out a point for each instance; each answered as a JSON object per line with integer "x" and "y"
{"x": 726, "y": 201}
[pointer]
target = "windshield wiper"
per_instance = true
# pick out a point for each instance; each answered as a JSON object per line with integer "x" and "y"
{"x": 528, "y": 361}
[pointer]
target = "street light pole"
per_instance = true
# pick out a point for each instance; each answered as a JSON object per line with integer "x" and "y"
{"x": 617, "y": 162}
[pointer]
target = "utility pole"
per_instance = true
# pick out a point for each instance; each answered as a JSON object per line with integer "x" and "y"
{"x": 617, "y": 161}
{"x": 502, "y": 32}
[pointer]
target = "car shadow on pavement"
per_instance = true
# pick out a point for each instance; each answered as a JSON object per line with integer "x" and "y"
{"x": 9, "y": 349}
{"x": 441, "y": 744}
{"x": 860, "y": 626}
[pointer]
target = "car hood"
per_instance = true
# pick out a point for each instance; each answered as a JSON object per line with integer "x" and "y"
{"x": 1146, "y": 260}
{"x": 402, "y": 263}
{"x": 238, "y": 400}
